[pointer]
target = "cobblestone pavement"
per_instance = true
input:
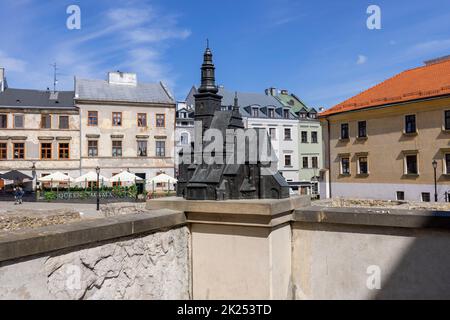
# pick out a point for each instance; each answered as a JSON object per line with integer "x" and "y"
{"x": 39, "y": 214}
{"x": 389, "y": 204}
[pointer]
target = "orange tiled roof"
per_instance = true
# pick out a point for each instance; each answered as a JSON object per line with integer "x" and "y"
{"x": 423, "y": 82}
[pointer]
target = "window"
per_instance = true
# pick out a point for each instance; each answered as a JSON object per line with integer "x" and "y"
{"x": 117, "y": 119}
{"x": 46, "y": 150}
{"x": 305, "y": 162}
{"x": 3, "y": 150}
{"x": 447, "y": 163}
{"x": 63, "y": 150}
{"x": 315, "y": 162}
{"x": 287, "y": 160}
{"x": 426, "y": 197}
{"x": 64, "y": 122}
{"x": 410, "y": 124}
{"x": 271, "y": 113}
{"x": 161, "y": 120}
{"x": 362, "y": 165}
{"x": 160, "y": 148}
{"x": 304, "y": 137}
{"x": 314, "y": 137}
{"x": 18, "y": 121}
{"x": 92, "y": 118}
{"x": 344, "y": 131}
{"x": 3, "y": 121}
{"x": 286, "y": 113}
{"x": 255, "y": 112}
{"x": 447, "y": 120}
{"x": 117, "y": 148}
{"x": 46, "y": 121}
{"x": 273, "y": 133}
{"x": 411, "y": 164}
{"x": 19, "y": 150}
{"x": 142, "y": 120}
{"x": 142, "y": 148}
{"x": 345, "y": 166}
{"x": 400, "y": 195}
{"x": 362, "y": 132}
{"x": 184, "y": 138}
{"x": 287, "y": 134}
{"x": 92, "y": 148}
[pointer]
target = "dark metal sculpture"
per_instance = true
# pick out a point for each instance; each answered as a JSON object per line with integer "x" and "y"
{"x": 254, "y": 177}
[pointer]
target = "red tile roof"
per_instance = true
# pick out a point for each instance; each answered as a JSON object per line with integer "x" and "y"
{"x": 427, "y": 81}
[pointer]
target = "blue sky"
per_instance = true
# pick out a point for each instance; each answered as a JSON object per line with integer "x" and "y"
{"x": 320, "y": 50}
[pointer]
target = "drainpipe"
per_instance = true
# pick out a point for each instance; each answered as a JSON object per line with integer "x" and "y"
{"x": 329, "y": 156}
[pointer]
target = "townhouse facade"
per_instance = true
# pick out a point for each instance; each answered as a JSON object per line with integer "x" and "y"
{"x": 309, "y": 141}
{"x": 39, "y": 131}
{"x": 387, "y": 142}
{"x": 117, "y": 124}
{"x": 125, "y": 125}
{"x": 184, "y": 128}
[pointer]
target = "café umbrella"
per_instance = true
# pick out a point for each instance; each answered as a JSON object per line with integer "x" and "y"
{"x": 162, "y": 178}
{"x": 125, "y": 177}
{"x": 90, "y": 177}
{"x": 57, "y": 177}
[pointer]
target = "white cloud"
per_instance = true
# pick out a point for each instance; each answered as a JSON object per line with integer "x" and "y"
{"x": 11, "y": 64}
{"x": 361, "y": 59}
{"x": 429, "y": 47}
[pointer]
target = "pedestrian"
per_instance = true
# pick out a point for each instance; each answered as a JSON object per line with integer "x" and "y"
{"x": 21, "y": 193}
{"x": 16, "y": 195}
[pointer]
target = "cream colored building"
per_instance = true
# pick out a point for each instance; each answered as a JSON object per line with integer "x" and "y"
{"x": 381, "y": 144}
{"x": 40, "y": 129}
{"x": 126, "y": 125}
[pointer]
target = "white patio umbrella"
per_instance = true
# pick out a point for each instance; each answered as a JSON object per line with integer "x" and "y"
{"x": 162, "y": 178}
{"x": 125, "y": 177}
{"x": 91, "y": 176}
{"x": 56, "y": 177}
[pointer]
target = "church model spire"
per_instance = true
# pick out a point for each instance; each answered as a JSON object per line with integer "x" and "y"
{"x": 208, "y": 80}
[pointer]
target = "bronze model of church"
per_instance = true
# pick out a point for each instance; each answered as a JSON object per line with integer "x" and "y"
{"x": 250, "y": 179}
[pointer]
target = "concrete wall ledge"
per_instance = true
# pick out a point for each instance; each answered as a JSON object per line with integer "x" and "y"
{"x": 375, "y": 217}
{"x": 252, "y": 212}
{"x": 26, "y": 242}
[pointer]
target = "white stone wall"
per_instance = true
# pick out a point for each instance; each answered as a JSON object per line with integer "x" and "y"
{"x": 154, "y": 266}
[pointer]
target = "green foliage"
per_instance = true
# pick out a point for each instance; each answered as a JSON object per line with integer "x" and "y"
{"x": 50, "y": 195}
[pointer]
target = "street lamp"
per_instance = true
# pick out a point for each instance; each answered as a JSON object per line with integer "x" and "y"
{"x": 33, "y": 174}
{"x": 434, "y": 163}
{"x": 98, "y": 187}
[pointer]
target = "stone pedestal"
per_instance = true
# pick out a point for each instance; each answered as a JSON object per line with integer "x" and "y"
{"x": 241, "y": 249}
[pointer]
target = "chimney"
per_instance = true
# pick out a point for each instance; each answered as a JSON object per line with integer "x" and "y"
{"x": 271, "y": 92}
{"x": 2, "y": 80}
{"x": 122, "y": 78}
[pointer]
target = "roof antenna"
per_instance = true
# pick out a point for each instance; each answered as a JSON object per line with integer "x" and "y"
{"x": 207, "y": 43}
{"x": 55, "y": 80}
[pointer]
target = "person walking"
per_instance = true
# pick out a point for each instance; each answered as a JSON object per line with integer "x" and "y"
{"x": 21, "y": 193}
{"x": 16, "y": 195}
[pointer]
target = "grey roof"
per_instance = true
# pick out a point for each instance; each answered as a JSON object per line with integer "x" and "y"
{"x": 247, "y": 100}
{"x": 101, "y": 90}
{"x": 25, "y": 98}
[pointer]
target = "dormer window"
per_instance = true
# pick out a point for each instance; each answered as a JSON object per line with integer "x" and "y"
{"x": 255, "y": 112}
{"x": 271, "y": 113}
{"x": 286, "y": 113}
